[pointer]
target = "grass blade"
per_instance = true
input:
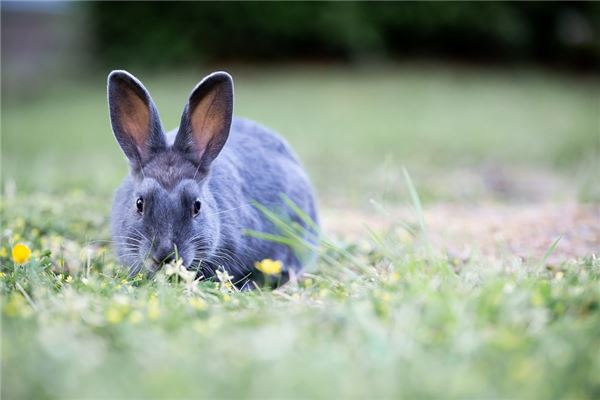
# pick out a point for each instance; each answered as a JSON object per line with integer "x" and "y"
{"x": 418, "y": 208}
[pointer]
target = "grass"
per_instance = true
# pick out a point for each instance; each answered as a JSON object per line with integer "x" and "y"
{"x": 343, "y": 122}
{"x": 377, "y": 319}
{"x": 388, "y": 315}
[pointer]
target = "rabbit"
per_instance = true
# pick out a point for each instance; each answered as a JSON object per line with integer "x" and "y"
{"x": 195, "y": 192}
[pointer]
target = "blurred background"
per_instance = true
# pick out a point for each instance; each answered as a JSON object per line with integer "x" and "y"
{"x": 490, "y": 292}
{"x": 480, "y": 101}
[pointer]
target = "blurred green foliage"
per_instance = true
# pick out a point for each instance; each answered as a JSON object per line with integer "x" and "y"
{"x": 352, "y": 128}
{"x": 161, "y": 33}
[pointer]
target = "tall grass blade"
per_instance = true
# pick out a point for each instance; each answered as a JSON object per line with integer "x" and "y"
{"x": 549, "y": 252}
{"x": 418, "y": 208}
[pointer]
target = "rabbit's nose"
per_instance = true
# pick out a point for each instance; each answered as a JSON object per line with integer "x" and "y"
{"x": 164, "y": 254}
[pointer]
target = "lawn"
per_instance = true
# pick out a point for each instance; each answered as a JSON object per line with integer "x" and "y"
{"x": 387, "y": 311}
{"x": 353, "y": 128}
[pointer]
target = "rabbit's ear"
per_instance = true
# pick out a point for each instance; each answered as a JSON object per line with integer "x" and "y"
{"x": 206, "y": 119}
{"x": 134, "y": 118}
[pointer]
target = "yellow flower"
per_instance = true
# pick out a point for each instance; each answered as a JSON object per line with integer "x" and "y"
{"x": 269, "y": 267}
{"x": 21, "y": 253}
{"x": 198, "y": 303}
{"x": 153, "y": 308}
{"x": 114, "y": 315}
{"x": 3, "y": 252}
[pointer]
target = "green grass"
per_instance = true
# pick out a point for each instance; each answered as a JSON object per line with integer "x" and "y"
{"x": 386, "y": 316}
{"x": 343, "y": 122}
{"x": 379, "y": 319}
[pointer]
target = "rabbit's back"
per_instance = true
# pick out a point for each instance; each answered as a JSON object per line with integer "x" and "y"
{"x": 257, "y": 165}
{"x": 267, "y": 165}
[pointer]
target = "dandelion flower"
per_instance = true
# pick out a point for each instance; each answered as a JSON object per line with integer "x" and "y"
{"x": 269, "y": 267}
{"x": 21, "y": 253}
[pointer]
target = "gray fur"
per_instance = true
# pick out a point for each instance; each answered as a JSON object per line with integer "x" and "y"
{"x": 242, "y": 163}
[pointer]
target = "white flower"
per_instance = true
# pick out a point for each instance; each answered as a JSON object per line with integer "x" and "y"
{"x": 178, "y": 268}
{"x": 225, "y": 279}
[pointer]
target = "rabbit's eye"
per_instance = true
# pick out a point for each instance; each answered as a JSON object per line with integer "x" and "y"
{"x": 197, "y": 205}
{"x": 139, "y": 204}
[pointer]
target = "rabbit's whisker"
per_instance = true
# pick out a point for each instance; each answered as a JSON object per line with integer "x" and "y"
{"x": 207, "y": 271}
{"x": 141, "y": 234}
{"x": 130, "y": 238}
{"x": 229, "y": 210}
{"x": 226, "y": 259}
{"x": 136, "y": 268}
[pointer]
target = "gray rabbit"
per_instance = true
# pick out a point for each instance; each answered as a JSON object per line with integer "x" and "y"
{"x": 195, "y": 192}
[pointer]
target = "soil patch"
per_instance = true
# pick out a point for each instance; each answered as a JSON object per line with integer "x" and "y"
{"x": 524, "y": 231}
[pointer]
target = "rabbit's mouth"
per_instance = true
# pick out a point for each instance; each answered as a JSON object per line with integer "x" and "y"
{"x": 152, "y": 267}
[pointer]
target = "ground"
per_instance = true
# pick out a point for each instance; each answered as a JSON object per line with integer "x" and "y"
{"x": 497, "y": 231}
{"x": 459, "y": 252}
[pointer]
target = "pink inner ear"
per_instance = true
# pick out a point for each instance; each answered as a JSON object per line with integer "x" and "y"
{"x": 135, "y": 119}
{"x": 206, "y": 121}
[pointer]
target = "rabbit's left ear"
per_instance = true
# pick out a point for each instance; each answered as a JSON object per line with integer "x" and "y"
{"x": 206, "y": 120}
{"x": 134, "y": 118}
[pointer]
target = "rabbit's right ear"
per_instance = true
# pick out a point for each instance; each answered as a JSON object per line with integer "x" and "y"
{"x": 134, "y": 118}
{"x": 206, "y": 120}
